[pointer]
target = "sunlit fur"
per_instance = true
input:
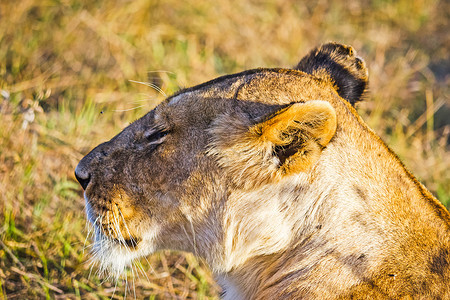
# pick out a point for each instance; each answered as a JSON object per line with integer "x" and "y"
{"x": 272, "y": 178}
{"x": 114, "y": 256}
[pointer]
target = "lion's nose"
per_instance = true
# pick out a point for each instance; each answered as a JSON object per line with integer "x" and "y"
{"x": 84, "y": 170}
{"x": 82, "y": 176}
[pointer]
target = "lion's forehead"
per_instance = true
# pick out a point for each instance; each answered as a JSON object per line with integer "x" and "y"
{"x": 267, "y": 86}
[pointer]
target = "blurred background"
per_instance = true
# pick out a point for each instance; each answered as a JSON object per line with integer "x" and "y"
{"x": 69, "y": 79}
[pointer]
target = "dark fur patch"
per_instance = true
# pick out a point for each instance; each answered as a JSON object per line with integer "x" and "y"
{"x": 348, "y": 85}
{"x": 361, "y": 192}
{"x": 284, "y": 152}
{"x": 357, "y": 263}
{"x": 440, "y": 262}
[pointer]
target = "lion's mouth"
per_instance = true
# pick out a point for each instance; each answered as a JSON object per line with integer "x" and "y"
{"x": 119, "y": 237}
{"x": 129, "y": 243}
{"x": 104, "y": 238}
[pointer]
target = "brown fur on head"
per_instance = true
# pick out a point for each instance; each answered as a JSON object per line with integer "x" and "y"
{"x": 273, "y": 178}
{"x": 288, "y": 142}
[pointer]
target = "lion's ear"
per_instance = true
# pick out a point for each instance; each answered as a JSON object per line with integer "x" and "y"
{"x": 287, "y": 142}
{"x": 298, "y": 134}
{"x": 339, "y": 65}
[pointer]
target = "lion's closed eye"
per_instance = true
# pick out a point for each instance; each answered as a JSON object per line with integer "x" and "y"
{"x": 155, "y": 136}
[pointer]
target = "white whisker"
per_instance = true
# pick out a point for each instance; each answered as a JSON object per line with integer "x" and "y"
{"x": 139, "y": 265}
{"x": 126, "y": 227}
{"x": 123, "y": 110}
{"x": 152, "y": 85}
{"x": 150, "y": 265}
{"x": 114, "y": 291}
{"x": 133, "y": 283}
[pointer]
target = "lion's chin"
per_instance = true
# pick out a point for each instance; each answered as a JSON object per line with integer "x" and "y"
{"x": 114, "y": 257}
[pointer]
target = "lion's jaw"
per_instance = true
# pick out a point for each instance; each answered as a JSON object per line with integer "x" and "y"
{"x": 114, "y": 255}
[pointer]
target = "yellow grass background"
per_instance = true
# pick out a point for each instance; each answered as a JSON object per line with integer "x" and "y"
{"x": 67, "y": 72}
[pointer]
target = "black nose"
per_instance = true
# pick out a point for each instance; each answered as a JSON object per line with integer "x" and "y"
{"x": 82, "y": 176}
{"x": 83, "y": 181}
{"x": 84, "y": 169}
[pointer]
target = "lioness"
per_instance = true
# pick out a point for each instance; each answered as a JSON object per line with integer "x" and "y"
{"x": 272, "y": 177}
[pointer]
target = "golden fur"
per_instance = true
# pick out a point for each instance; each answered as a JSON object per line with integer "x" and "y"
{"x": 272, "y": 177}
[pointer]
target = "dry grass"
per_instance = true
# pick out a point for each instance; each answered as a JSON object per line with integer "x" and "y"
{"x": 65, "y": 71}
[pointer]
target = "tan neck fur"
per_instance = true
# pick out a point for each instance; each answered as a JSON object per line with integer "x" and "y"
{"x": 351, "y": 220}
